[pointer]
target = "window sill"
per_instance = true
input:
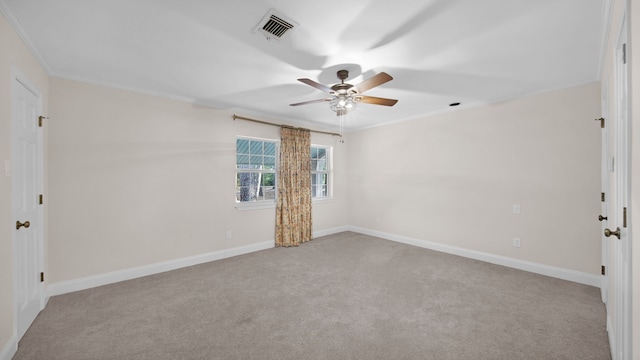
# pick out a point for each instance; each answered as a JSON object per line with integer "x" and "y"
{"x": 246, "y": 206}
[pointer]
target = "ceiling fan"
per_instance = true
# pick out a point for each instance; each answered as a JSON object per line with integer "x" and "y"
{"x": 345, "y": 96}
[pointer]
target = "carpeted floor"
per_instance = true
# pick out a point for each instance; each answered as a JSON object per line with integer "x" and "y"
{"x": 344, "y": 296}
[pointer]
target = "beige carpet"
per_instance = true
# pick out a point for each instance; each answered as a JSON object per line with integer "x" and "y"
{"x": 345, "y": 296}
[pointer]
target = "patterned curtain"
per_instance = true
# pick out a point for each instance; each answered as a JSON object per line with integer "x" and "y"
{"x": 293, "y": 213}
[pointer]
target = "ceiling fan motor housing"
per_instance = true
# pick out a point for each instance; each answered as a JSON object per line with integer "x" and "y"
{"x": 342, "y": 88}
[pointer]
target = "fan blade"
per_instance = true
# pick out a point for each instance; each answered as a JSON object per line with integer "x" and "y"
{"x": 311, "y": 102}
{"x": 372, "y": 82}
{"x": 377, "y": 100}
{"x": 316, "y": 85}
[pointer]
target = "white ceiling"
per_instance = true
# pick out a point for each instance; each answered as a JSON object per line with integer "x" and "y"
{"x": 206, "y": 52}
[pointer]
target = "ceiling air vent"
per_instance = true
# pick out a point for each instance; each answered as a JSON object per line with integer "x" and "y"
{"x": 275, "y": 25}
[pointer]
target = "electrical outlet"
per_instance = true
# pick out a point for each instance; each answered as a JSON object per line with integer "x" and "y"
{"x": 516, "y": 242}
{"x": 516, "y": 209}
{"x": 228, "y": 234}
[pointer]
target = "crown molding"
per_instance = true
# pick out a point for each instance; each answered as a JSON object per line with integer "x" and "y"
{"x": 604, "y": 33}
{"x": 7, "y": 10}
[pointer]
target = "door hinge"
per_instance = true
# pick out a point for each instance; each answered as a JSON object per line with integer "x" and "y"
{"x": 41, "y": 277}
{"x": 603, "y": 270}
{"x": 601, "y": 122}
{"x": 624, "y": 53}
{"x": 624, "y": 217}
{"x": 40, "y": 199}
{"x": 602, "y": 197}
{"x": 40, "y": 118}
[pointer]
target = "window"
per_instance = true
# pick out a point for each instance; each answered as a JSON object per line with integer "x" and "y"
{"x": 255, "y": 170}
{"x": 320, "y": 167}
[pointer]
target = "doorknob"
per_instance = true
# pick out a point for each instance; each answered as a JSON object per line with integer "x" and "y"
{"x": 608, "y": 233}
{"x": 26, "y": 224}
{"x": 600, "y": 218}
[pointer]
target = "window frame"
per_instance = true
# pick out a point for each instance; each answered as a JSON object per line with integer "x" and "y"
{"x": 328, "y": 172}
{"x": 263, "y": 203}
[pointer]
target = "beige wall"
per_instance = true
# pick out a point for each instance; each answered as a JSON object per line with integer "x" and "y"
{"x": 13, "y": 53}
{"x": 453, "y": 178}
{"x": 137, "y": 180}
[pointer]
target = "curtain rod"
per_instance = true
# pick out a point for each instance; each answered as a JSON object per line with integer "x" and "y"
{"x": 283, "y": 126}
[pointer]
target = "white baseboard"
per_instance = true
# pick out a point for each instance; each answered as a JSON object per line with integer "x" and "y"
{"x": 552, "y": 271}
{"x": 317, "y": 234}
{"x": 65, "y": 287}
{"x": 9, "y": 349}
{"x": 128, "y": 274}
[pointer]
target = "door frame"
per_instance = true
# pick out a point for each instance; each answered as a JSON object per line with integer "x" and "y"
{"x": 17, "y": 79}
{"x": 605, "y": 169}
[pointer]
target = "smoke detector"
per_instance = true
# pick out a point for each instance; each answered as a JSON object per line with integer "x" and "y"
{"x": 275, "y": 25}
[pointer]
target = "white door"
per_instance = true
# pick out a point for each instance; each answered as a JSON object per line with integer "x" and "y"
{"x": 619, "y": 227}
{"x": 27, "y": 183}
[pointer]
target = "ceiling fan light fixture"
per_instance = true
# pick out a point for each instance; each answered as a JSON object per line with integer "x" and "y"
{"x": 342, "y": 103}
